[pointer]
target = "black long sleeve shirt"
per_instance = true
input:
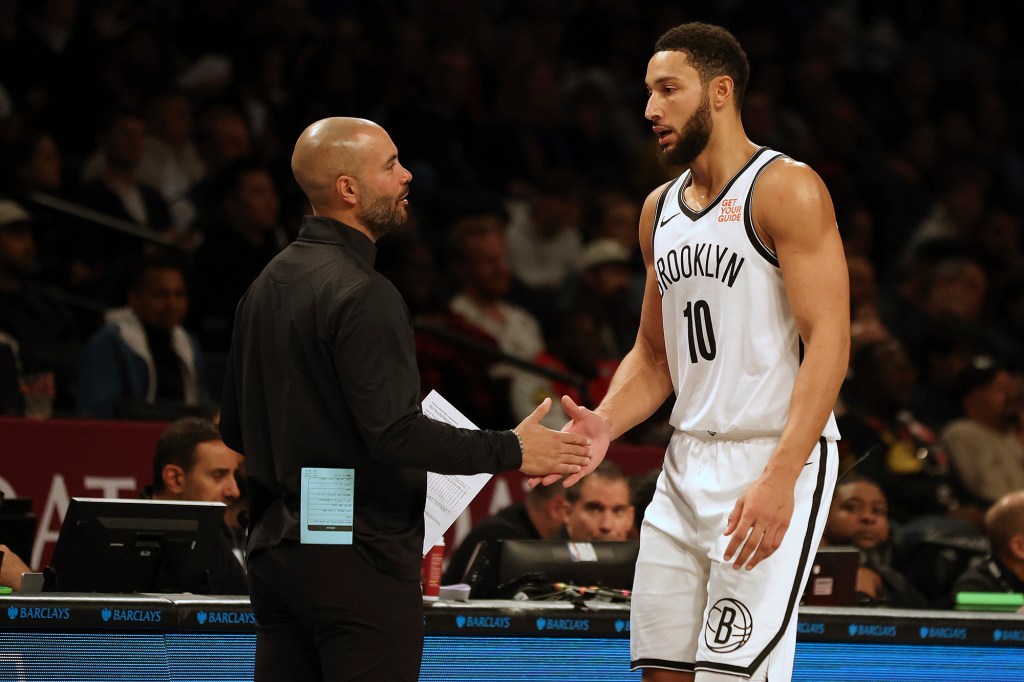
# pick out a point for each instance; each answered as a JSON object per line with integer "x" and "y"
{"x": 322, "y": 373}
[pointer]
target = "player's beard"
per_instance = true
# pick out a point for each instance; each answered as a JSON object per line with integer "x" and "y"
{"x": 382, "y": 214}
{"x": 692, "y": 139}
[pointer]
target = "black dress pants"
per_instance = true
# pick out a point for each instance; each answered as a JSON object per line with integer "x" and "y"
{"x": 324, "y": 613}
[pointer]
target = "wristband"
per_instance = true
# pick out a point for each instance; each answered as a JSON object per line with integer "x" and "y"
{"x": 522, "y": 448}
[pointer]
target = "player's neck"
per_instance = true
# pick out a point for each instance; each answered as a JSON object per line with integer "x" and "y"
{"x": 727, "y": 152}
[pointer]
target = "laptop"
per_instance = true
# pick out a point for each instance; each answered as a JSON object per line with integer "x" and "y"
{"x": 833, "y": 579}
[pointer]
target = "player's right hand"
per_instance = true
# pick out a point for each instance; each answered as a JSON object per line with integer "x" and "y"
{"x": 590, "y": 424}
{"x": 547, "y": 452}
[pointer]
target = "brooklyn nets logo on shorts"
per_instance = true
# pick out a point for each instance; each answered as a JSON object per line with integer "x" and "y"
{"x": 728, "y": 627}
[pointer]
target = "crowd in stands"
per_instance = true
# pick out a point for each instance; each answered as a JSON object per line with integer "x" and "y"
{"x": 144, "y": 182}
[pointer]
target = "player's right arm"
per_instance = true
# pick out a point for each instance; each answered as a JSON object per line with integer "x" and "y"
{"x": 642, "y": 381}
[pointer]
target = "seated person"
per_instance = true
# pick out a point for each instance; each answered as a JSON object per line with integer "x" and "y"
{"x": 984, "y": 444}
{"x": 12, "y": 402}
{"x": 1003, "y": 570}
{"x": 44, "y": 330}
{"x": 144, "y": 354}
{"x": 599, "y": 506}
{"x": 192, "y": 463}
{"x": 574, "y": 351}
{"x": 859, "y": 516}
{"x": 11, "y": 569}
{"x": 539, "y": 517}
{"x": 899, "y": 452}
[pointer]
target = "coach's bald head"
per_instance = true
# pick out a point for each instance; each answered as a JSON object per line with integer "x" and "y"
{"x": 348, "y": 168}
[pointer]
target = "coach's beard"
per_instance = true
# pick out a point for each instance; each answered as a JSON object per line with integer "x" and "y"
{"x": 382, "y": 215}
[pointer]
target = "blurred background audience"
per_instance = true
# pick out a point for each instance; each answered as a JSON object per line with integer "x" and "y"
{"x": 134, "y": 132}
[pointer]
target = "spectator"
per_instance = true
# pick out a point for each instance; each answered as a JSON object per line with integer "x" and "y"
{"x": 451, "y": 353}
{"x": 143, "y": 354}
{"x": 242, "y": 235}
{"x": 947, "y": 348}
{"x": 541, "y": 516}
{"x": 958, "y": 213}
{"x": 902, "y": 455}
{"x": 859, "y": 516}
{"x": 102, "y": 258}
{"x": 1003, "y": 570}
{"x": 170, "y": 161}
{"x": 111, "y": 186}
{"x": 575, "y": 352}
{"x": 984, "y": 445}
{"x": 481, "y": 265}
{"x": 222, "y": 137}
{"x": 43, "y": 329}
{"x": 544, "y": 240}
{"x": 865, "y": 321}
{"x": 191, "y": 463}
{"x": 599, "y": 506}
{"x": 605, "y": 280}
{"x": 616, "y": 217}
{"x": 33, "y": 163}
{"x": 12, "y": 401}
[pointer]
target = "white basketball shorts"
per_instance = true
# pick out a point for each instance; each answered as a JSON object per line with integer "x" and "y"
{"x": 691, "y": 610}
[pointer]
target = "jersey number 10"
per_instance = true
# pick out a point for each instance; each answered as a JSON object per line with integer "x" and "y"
{"x": 698, "y": 327}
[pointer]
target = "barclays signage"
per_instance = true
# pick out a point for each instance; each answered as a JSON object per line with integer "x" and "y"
{"x": 131, "y": 615}
{"x": 856, "y": 630}
{"x": 38, "y": 613}
{"x": 942, "y": 633}
{"x": 1008, "y": 635}
{"x": 226, "y": 618}
{"x": 486, "y": 622}
{"x": 570, "y": 624}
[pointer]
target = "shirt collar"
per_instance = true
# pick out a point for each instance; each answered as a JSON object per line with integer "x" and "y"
{"x": 319, "y": 229}
{"x": 1007, "y": 578}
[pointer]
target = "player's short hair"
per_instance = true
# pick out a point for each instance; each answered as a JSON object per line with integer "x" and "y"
{"x": 712, "y": 51}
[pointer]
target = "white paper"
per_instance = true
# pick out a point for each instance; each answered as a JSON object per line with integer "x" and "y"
{"x": 327, "y": 506}
{"x": 447, "y": 496}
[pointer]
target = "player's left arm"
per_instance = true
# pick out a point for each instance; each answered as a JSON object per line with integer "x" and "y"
{"x": 793, "y": 215}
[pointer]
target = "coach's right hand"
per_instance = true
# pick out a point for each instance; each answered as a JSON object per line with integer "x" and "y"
{"x": 551, "y": 452}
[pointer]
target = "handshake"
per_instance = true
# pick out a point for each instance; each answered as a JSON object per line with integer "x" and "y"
{"x": 569, "y": 454}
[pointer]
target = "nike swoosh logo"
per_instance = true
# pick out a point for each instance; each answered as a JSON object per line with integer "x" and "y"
{"x": 667, "y": 219}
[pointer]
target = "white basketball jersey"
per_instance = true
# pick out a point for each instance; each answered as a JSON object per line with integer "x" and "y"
{"x": 731, "y": 340}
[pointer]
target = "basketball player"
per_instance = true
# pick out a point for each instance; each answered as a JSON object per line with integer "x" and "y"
{"x": 746, "y": 319}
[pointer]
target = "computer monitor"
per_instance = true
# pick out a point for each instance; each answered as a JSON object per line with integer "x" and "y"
{"x": 499, "y": 569}
{"x": 115, "y": 545}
